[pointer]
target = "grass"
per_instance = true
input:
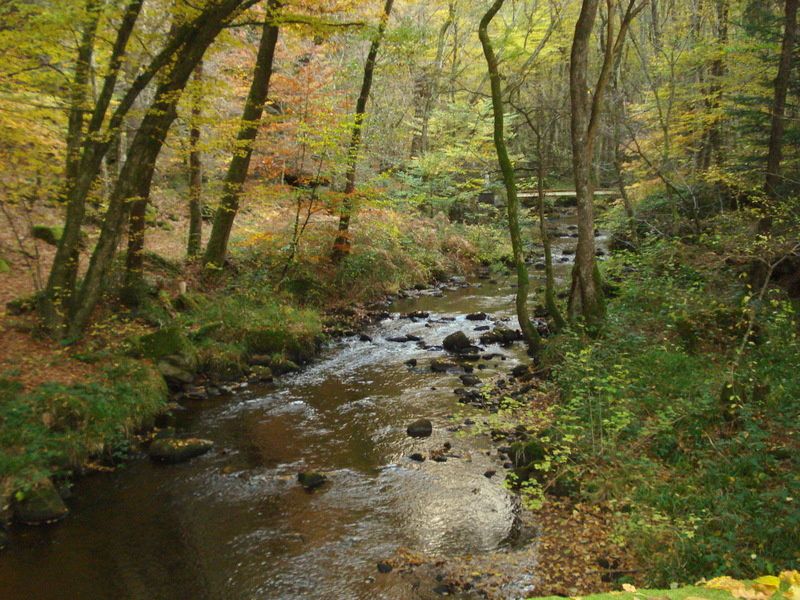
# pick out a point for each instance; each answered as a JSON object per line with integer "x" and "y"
{"x": 55, "y": 428}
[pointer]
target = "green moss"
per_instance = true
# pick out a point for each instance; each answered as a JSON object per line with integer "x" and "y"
{"x": 167, "y": 341}
{"x": 55, "y": 428}
{"x": 677, "y": 594}
{"x": 49, "y": 235}
{"x": 223, "y": 361}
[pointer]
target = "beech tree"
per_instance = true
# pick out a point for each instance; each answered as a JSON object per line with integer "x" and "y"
{"x": 239, "y": 166}
{"x": 529, "y": 331}
{"x": 341, "y": 245}
{"x": 586, "y": 294}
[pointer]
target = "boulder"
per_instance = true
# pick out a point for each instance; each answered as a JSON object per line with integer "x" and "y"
{"x": 260, "y": 373}
{"x": 501, "y": 335}
{"x": 417, "y": 314}
{"x": 420, "y": 428}
{"x": 384, "y": 567}
{"x": 280, "y": 365}
{"x": 477, "y": 316}
{"x": 311, "y": 480}
{"x": 172, "y": 450}
{"x": 524, "y": 453}
{"x": 49, "y": 235}
{"x": 470, "y": 380}
{"x": 456, "y": 342}
{"x": 175, "y": 375}
{"x": 520, "y": 371}
{"x": 260, "y": 360}
{"x": 40, "y": 504}
{"x": 195, "y": 392}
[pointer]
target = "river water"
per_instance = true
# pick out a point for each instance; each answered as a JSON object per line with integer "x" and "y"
{"x": 234, "y": 523}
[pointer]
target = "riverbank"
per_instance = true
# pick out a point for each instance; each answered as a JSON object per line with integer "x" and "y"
{"x": 66, "y": 410}
{"x": 670, "y": 426}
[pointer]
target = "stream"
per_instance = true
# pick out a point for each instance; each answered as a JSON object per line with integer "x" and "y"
{"x": 235, "y": 524}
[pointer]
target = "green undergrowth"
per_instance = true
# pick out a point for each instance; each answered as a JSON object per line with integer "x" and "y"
{"x": 54, "y": 429}
{"x": 682, "y": 593}
{"x": 682, "y": 414}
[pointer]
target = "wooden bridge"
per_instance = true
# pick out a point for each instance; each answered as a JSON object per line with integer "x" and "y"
{"x": 561, "y": 197}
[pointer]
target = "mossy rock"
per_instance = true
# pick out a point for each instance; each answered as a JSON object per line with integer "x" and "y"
{"x": 311, "y": 480}
{"x": 174, "y": 450}
{"x": 40, "y": 504}
{"x": 298, "y": 347}
{"x": 185, "y": 303}
{"x": 22, "y": 306}
{"x": 4, "y": 266}
{"x": 168, "y": 341}
{"x": 222, "y": 362}
{"x": 207, "y": 331}
{"x": 525, "y": 453}
{"x": 49, "y": 235}
{"x": 260, "y": 373}
{"x": 280, "y": 365}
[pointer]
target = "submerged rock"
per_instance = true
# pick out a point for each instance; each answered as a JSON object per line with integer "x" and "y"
{"x": 172, "y": 450}
{"x": 470, "y": 380}
{"x": 442, "y": 366}
{"x": 420, "y": 428}
{"x": 311, "y": 480}
{"x": 417, "y": 457}
{"x": 417, "y": 314}
{"x": 501, "y": 335}
{"x": 384, "y": 567}
{"x": 40, "y": 504}
{"x": 456, "y": 342}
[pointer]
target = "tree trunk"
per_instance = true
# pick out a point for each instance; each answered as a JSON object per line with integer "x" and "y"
{"x": 428, "y": 90}
{"x": 586, "y": 296}
{"x": 775, "y": 148}
{"x": 55, "y": 303}
{"x": 341, "y": 245}
{"x": 550, "y": 284}
{"x": 195, "y": 173}
{"x": 529, "y": 331}
{"x": 225, "y": 214}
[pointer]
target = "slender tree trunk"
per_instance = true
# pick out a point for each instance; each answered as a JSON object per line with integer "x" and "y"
{"x": 195, "y": 172}
{"x": 550, "y": 284}
{"x": 586, "y": 296}
{"x": 428, "y": 90}
{"x": 54, "y": 305}
{"x": 341, "y": 245}
{"x": 529, "y": 331}
{"x": 225, "y": 214}
{"x": 772, "y": 182}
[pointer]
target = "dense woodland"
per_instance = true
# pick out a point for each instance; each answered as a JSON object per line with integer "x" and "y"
{"x": 188, "y": 185}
